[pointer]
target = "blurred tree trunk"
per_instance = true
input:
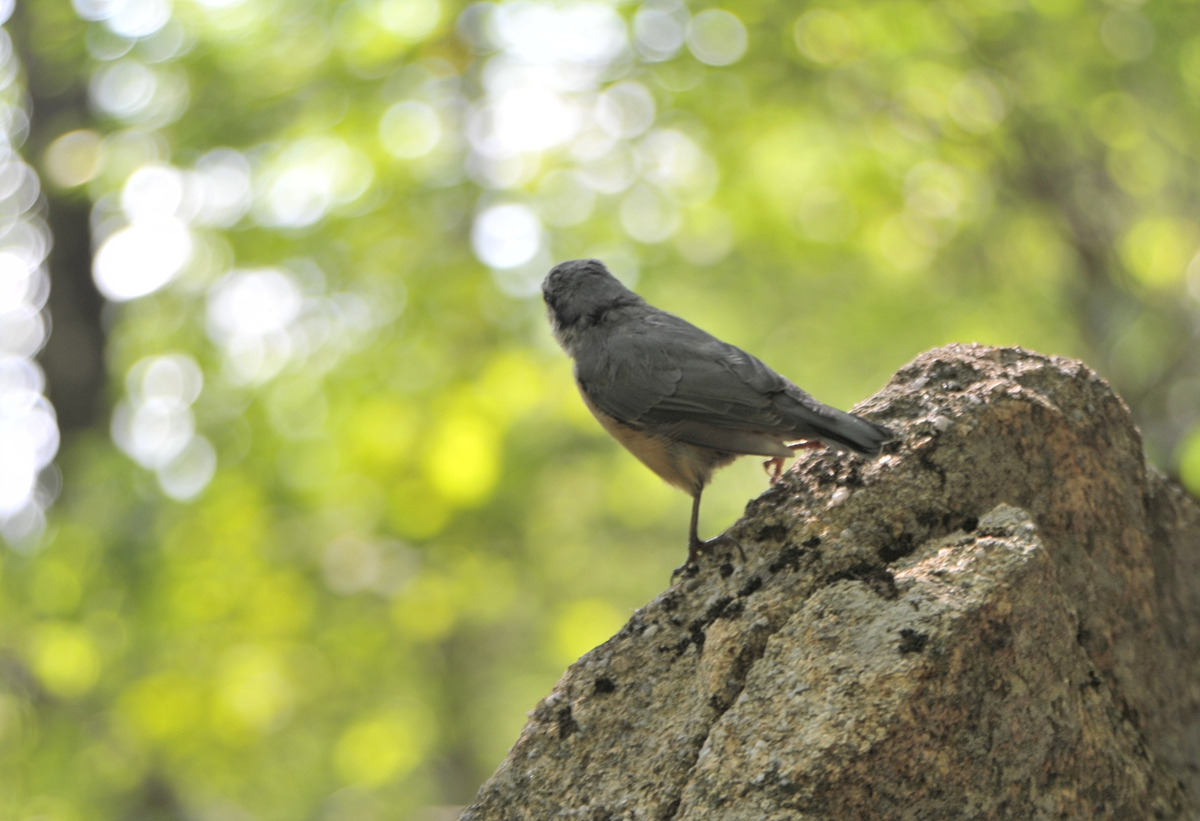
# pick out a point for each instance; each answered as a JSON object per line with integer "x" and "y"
{"x": 73, "y": 358}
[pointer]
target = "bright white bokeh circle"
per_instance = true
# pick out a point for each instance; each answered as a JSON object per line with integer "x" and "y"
{"x": 505, "y": 236}
{"x": 142, "y": 258}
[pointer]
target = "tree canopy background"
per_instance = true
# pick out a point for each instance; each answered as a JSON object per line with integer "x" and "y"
{"x": 327, "y": 516}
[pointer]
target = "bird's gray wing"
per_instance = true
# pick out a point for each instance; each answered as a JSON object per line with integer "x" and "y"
{"x": 663, "y": 373}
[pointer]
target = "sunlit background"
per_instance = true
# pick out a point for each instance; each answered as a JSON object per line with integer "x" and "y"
{"x": 299, "y": 510}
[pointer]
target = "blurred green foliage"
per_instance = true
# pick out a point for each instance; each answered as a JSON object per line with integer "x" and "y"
{"x": 413, "y": 524}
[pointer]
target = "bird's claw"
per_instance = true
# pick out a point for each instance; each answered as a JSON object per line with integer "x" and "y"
{"x": 698, "y": 546}
{"x": 774, "y": 465}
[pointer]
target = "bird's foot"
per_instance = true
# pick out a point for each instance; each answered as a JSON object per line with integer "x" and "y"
{"x": 698, "y": 546}
{"x": 774, "y": 465}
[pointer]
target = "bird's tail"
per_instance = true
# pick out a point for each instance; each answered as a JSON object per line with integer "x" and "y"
{"x": 845, "y": 431}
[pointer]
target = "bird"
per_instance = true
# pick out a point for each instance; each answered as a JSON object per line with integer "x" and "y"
{"x": 679, "y": 399}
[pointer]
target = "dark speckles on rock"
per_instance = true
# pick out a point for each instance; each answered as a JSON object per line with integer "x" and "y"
{"x": 678, "y": 648}
{"x": 930, "y": 518}
{"x": 772, "y": 533}
{"x": 734, "y": 610}
{"x": 788, "y": 557}
{"x": 715, "y": 610}
{"x": 604, "y": 685}
{"x": 880, "y": 580}
{"x": 996, "y": 635}
{"x": 911, "y": 641}
{"x": 902, "y": 546}
{"x": 752, "y": 584}
{"x": 567, "y": 725}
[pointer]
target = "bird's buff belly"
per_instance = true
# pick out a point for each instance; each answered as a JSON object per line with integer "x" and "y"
{"x": 686, "y": 466}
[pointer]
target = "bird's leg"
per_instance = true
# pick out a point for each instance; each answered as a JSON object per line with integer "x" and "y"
{"x": 694, "y": 543}
{"x": 696, "y": 546}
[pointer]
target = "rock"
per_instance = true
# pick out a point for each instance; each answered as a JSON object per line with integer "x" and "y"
{"x": 998, "y": 619}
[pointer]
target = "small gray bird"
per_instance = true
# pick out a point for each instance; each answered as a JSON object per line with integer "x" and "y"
{"x": 680, "y": 400}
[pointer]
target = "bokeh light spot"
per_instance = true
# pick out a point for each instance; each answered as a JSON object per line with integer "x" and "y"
{"x": 28, "y": 437}
{"x": 825, "y": 36}
{"x": 386, "y": 747}
{"x": 626, "y": 109}
{"x": 16, "y": 279}
{"x": 22, "y": 330}
{"x": 505, "y": 236}
{"x": 171, "y": 377}
{"x": 675, "y": 163}
{"x": 66, "y": 660}
{"x": 222, "y": 187}
{"x": 142, "y": 258}
{"x": 252, "y": 303}
{"x": 152, "y": 191}
{"x": 1127, "y": 35}
{"x": 124, "y": 88}
{"x": 1188, "y": 458}
{"x": 524, "y": 118}
{"x": 511, "y": 386}
{"x": 1157, "y": 250}
{"x": 583, "y": 625}
{"x": 975, "y": 104}
{"x": 648, "y": 216}
{"x": 410, "y": 19}
{"x": 409, "y": 130}
{"x": 659, "y": 29}
{"x": 463, "y": 461}
{"x": 152, "y": 432}
{"x": 254, "y": 691}
{"x": 189, "y": 471}
{"x": 73, "y": 158}
{"x": 350, "y": 564}
{"x": 716, "y": 37}
{"x": 308, "y": 179}
{"x": 563, "y": 200}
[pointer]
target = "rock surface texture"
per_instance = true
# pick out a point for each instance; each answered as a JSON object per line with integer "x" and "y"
{"x": 998, "y": 619}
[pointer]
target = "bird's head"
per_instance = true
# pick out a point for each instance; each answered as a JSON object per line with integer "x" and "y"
{"x": 579, "y": 292}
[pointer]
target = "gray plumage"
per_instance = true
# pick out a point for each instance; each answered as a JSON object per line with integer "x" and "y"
{"x": 679, "y": 399}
